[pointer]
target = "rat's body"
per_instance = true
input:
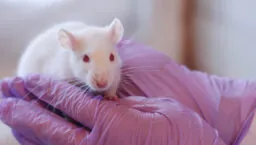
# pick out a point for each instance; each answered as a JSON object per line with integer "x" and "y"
{"x": 75, "y": 50}
{"x": 44, "y": 54}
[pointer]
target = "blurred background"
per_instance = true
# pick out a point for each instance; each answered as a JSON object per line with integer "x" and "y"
{"x": 214, "y": 36}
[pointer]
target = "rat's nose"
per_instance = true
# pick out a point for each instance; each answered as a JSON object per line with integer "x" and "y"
{"x": 101, "y": 84}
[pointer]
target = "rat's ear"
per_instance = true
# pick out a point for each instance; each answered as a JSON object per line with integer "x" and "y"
{"x": 116, "y": 30}
{"x": 67, "y": 39}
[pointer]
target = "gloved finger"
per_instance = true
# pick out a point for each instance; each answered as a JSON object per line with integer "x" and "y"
{"x": 4, "y": 88}
{"x": 71, "y": 100}
{"x": 14, "y": 87}
{"x": 39, "y": 124}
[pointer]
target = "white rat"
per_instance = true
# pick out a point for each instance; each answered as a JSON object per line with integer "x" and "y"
{"x": 76, "y": 50}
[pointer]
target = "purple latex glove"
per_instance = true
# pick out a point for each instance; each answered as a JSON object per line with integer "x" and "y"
{"x": 181, "y": 106}
{"x": 131, "y": 121}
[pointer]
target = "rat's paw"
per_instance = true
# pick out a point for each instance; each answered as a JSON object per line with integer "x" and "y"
{"x": 111, "y": 98}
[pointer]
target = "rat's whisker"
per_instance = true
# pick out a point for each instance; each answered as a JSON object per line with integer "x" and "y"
{"x": 140, "y": 67}
{"x": 70, "y": 87}
{"x": 78, "y": 89}
{"x": 129, "y": 72}
{"x": 69, "y": 93}
{"x": 79, "y": 102}
{"x": 67, "y": 97}
{"x": 76, "y": 102}
{"x": 126, "y": 82}
{"x": 31, "y": 91}
{"x": 133, "y": 57}
{"x": 62, "y": 94}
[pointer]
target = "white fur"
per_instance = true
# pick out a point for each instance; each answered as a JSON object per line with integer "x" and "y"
{"x": 59, "y": 52}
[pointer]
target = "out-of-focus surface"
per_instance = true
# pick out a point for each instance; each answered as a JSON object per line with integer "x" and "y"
{"x": 155, "y": 23}
{"x": 224, "y": 34}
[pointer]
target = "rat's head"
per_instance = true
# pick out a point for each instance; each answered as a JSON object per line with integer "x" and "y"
{"x": 95, "y": 59}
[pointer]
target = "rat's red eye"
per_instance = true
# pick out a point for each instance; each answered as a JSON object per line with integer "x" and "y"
{"x": 86, "y": 58}
{"x": 111, "y": 57}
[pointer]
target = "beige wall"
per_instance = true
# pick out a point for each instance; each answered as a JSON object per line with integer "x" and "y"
{"x": 164, "y": 23}
{"x": 225, "y": 37}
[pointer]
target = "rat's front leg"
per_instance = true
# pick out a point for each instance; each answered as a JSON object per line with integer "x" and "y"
{"x": 111, "y": 94}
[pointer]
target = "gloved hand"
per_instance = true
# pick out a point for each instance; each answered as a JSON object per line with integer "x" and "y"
{"x": 131, "y": 121}
{"x": 178, "y": 104}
